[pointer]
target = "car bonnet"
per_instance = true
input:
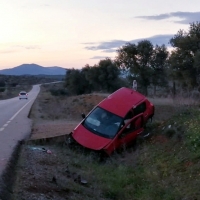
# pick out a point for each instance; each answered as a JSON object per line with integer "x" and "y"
{"x": 88, "y": 139}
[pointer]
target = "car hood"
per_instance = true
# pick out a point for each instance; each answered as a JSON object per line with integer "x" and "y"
{"x": 88, "y": 139}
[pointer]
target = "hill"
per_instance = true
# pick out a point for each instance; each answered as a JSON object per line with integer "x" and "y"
{"x": 33, "y": 69}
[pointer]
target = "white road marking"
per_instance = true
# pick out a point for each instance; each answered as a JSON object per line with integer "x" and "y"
{"x": 19, "y": 111}
{"x": 1, "y": 129}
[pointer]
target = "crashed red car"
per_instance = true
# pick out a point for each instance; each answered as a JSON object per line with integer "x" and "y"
{"x": 115, "y": 122}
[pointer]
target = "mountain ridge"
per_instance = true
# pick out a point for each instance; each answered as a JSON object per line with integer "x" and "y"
{"x": 33, "y": 69}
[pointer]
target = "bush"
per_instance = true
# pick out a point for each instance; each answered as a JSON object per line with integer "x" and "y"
{"x": 58, "y": 92}
{"x": 2, "y": 89}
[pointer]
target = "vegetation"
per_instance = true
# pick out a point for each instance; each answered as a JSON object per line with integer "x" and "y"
{"x": 165, "y": 166}
{"x": 185, "y": 58}
{"x": 10, "y": 86}
{"x": 2, "y": 86}
{"x": 152, "y": 66}
{"x": 145, "y": 62}
{"x": 101, "y": 77}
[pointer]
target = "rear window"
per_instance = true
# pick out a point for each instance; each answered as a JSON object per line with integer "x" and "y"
{"x": 22, "y": 93}
{"x": 140, "y": 108}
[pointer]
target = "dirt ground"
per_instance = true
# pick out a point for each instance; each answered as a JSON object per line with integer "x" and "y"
{"x": 54, "y": 118}
{"x": 42, "y": 171}
{"x": 51, "y": 128}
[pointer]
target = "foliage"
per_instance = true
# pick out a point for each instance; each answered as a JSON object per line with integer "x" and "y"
{"x": 75, "y": 81}
{"x": 58, "y": 92}
{"x": 12, "y": 85}
{"x": 2, "y": 89}
{"x": 145, "y": 62}
{"x": 148, "y": 64}
{"x": 185, "y": 58}
{"x": 158, "y": 64}
{"x": 2, "y": 86}
{"x": 160, "y": 168}
{"x": 2, "y": 83}
{"x": 193, "y": 131}
{"x": 101, "y": 77}
{"x": 166, "y": 166}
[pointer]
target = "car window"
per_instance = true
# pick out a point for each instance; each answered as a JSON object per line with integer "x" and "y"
{"x": 22, "y": 93}
{"x": 103, "y": 123}
{"x": 133, "y": 125}
{"x": 129, "y": 115}
{"x": 140, "y": 108}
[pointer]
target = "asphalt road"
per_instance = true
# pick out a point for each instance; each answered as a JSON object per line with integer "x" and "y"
{"x": 14, "y": 124}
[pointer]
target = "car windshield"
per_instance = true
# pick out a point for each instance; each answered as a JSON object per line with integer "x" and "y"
{"x": 103, "y": 123}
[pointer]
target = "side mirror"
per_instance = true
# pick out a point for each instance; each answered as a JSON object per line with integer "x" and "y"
{"x": 83, "y": 115}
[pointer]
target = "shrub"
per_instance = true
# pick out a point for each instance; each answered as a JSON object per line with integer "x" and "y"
{"x": 58, "y": 92}
{"x": 2, "y": 89}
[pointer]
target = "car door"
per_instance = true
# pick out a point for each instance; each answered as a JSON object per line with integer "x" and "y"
{"x": 142, "y": 108}
{"x": 127, "y": 134}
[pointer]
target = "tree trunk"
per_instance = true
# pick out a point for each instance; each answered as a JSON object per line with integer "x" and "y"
{"x": 146, "y": 91}
{"x": 174, "y": 89}
{"x": 154, "y": 90}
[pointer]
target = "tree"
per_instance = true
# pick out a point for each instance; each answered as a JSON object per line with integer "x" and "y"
{"x": 197, "y": 65}
{"x": 87, "y": 81}
{"x": 184, "y": 59}
{"x": 126, "y": 57}
{"x": 108, "y": 75}
{"x": 181, "y": 65}
{"x": 92, "y": 76}
{"x": 101, "y": 77}
{"x": 145, "y": 63}
{"x": 75, "y": 81}
{"x": 2, "y": 86}
{"x": 158, "y": 64}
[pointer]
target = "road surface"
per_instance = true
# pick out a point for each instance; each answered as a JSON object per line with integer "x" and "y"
{"x": 14, "y": 125}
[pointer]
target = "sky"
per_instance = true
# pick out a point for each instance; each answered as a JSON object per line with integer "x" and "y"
{"x": 73, "y": 33}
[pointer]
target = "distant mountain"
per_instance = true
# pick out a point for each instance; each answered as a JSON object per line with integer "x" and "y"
{"x": 33, "y": 69}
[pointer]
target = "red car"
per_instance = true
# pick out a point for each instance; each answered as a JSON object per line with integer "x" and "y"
{"x": 115, "y": 122}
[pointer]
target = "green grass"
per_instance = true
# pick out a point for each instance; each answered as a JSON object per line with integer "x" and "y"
{"x": 158, "y": 169}
{"x": 164, "y": 167}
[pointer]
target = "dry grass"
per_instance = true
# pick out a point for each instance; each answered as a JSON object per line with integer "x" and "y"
{"x": 160, "y": 168}
{"x": 53, "y": 116}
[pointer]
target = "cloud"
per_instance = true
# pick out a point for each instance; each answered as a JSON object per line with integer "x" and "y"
{"x": 106, "y": 46}
{"x": 32, "y": 47}
{"x": 98, "y": 57}
{"x": 29, "y": 47}
{"x": 113, "y": 45}
{"x": 7, "y": 51}
{"x": 159, "y": 39}
{"x": 18, "y": 48}
{"x": 185, "y": 17}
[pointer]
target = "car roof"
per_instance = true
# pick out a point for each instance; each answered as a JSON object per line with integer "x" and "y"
{"x": 121, "y": 101}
